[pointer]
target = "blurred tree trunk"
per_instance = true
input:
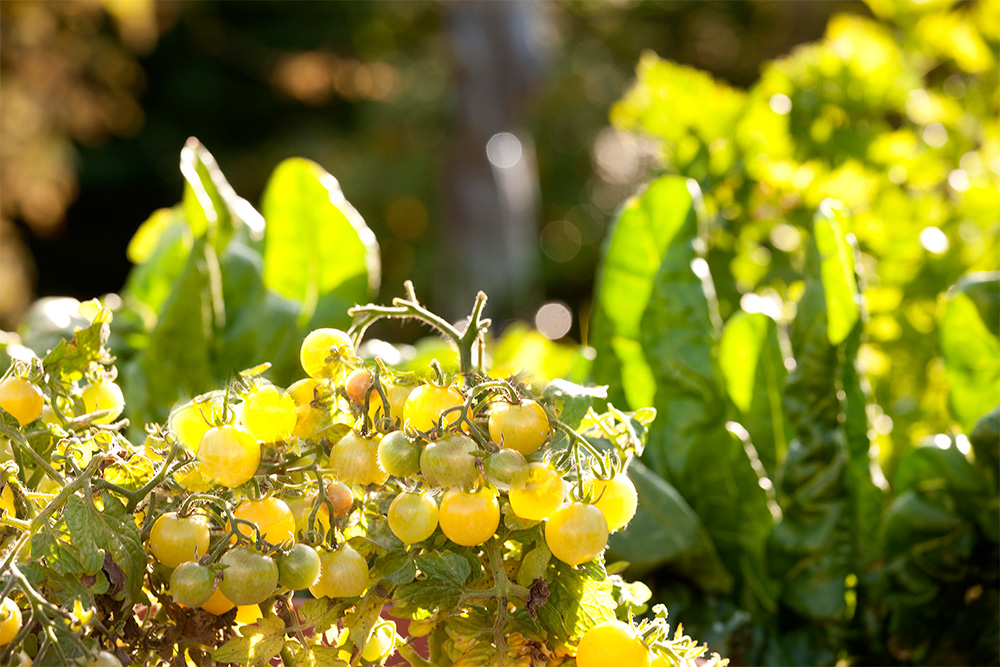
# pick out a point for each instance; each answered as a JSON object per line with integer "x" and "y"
{"x": 490, "y": 233}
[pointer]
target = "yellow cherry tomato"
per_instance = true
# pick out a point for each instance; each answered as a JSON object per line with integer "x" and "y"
{"x": 23, "y": 400}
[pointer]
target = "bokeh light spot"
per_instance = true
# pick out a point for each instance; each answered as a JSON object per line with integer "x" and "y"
{"x": 553, "y": 320}
{"x": 934, "y": 240}
{"x": 780, "y": 104}
{"x": 503, "y": 150}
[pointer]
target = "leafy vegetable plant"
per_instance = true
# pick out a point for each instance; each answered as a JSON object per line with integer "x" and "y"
{"x": 808, "y": 299}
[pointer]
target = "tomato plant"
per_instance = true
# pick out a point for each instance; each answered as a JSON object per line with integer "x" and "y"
{"x": 440, "y": 496}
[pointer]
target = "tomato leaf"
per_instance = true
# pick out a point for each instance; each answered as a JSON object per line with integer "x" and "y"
{"x": 111, "y": 530}
{"x": 131, "y": 474}
{"x": 442, "y": 584}
{"x": 258, "y": 644}
{"x": 315, "y": 655}
{"x": 320, "y": 614}
{"x": 576, "y": 603}
{"x": 70, "y": 359}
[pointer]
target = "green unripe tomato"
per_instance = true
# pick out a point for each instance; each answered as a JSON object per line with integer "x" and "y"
{"x": 192, "y": 584}
{"x": 249, "y": 578}
{"x": 398, "y": 455}
{"x": 300, "y": 568}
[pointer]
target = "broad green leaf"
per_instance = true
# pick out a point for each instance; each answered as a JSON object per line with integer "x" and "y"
{"x": 317, "y": 248}
{"x": 971, "y": 350}
{"x": 753, "y": 364}
{"x": 571, "y": 401}
{"x": 159, "y": 256}
{"x": 210, "y": 204}
{"x": 985, "y": 441}
{"x": 666, "y": 531}
{"x": 261, "y": 325}
{"x": 637, "y": 243}
{"x": 178, "y": 359}
{"x": 837, "y": 270}
{"x": 829, "y": 501}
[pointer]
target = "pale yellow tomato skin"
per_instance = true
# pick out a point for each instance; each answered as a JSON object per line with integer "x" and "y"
{"x": 22, "y": 399}
{"x": 269, "y": 414}
{"x": 320, "y": 345}
{"x": 10, "y": 621}
{"x": 523, "y": 427}
{"x": 228, "y": 456}
{"x": 617, "y": 499}
{"x": 612, "y": 643}
{"x": 104, "y": 396}
{"x": 469, "y": 519}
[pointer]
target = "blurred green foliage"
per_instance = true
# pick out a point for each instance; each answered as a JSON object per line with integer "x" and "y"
{"x": 899, "y": 120}
{"x": 810, "y": 303}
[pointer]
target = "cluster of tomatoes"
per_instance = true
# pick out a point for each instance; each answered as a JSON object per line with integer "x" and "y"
{"x": 268, "y": 486}
{"x": 414, "y": 440}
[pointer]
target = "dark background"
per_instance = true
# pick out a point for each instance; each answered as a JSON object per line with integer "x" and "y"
{"x": 220, "y": 71}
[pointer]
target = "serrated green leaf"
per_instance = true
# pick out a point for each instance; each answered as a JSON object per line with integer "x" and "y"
{"x": 321, "y": 614}
{"x": 571, "y": 401}
{"x": 442, "y": 583}
{"x": 70, "y": 359}
{"x": 131, "y": 474}
{"x": 317, "y": 248}
{"x": 111, "y": 530}
{"x": 576, "y": 603}
{"x": 315, "y": 655}
{"x": 257, "y": 646}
